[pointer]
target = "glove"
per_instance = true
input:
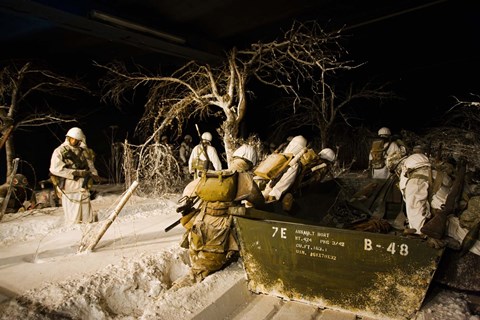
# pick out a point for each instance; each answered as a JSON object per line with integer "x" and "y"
{"x": 80, "y": 173}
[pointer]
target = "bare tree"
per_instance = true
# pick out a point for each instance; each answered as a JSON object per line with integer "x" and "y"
{"x": 465, "y": 114}
{"x": 303, "y": 54}
{"x": 321, "y": 111}
{"x": 18, "y": 83}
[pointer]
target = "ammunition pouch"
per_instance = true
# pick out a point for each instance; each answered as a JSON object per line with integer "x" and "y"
{"x": 201, "y": 165}
{"x": 217, "y": 208}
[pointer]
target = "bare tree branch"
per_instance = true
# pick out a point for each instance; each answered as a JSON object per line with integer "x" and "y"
{"x": 322, "y": 111}
{"x": 18, "y": 82}
{"x": 465, "y": 114}
{"x": 305, "y": 58}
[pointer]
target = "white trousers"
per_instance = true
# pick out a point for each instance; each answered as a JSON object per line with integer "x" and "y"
{"x": 416, "y": 203}
{"x": 77, "y": 208}
{"x": 285, "y": 182}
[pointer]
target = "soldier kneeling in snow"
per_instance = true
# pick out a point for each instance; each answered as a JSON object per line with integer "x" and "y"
{"x": 210, "y": 235}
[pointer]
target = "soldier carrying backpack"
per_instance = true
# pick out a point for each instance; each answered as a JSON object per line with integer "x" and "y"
{"x": 203, "y": 157}
{"x": 384, "y": 150}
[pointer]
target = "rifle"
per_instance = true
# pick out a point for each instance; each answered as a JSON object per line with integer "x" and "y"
{"x": 68, "y": 154}
{"x": 185, "y": 209}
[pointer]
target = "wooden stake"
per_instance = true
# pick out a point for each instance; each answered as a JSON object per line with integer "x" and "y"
{"x": 85, "y": 244}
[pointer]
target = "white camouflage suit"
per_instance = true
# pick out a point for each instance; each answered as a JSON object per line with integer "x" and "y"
{"x": 198, "y": 153}
{"x": 415, "y": 194}
{"x": 295, "y": 146}
{"x": 414, "y": 183}
{"x": 75, "y": 199}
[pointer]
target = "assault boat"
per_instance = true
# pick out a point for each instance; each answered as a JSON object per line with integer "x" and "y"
{"x": 316, "y": 254}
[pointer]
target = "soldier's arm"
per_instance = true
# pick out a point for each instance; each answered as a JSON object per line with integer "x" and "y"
{"x": 213, "y": 156}
{"x": 58, "y": 166}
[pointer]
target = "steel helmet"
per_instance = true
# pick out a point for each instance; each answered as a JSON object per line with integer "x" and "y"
{"x": 76, "y": 133}
{"x": 207, "y": 136}
{"x": 384, "y": 132}
{"x": 416, "y": 160}
{"x": 187, "y": 137}
{"x": 296, "y": 145}
{"x": 299, "y": 140}
{"x": 327, "y": 154}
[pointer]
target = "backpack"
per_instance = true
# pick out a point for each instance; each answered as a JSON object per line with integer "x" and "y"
{"x": 273, "y": 165}
{"x": 217, "y": 186}
{"x": 378, "y": 154}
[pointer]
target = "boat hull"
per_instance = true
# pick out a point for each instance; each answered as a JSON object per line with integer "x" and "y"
{"x": 369, "y": 274}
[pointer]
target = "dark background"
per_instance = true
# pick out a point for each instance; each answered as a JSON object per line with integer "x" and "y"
{"x": 428, "y": 51}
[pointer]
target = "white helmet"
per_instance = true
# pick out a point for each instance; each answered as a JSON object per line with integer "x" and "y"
{"x": 416, "y": 160}
{"x": 296, "y": 145}
{"x": 76, "y": 133}
{"x": 300, "y": 140}
{"x": 207, "y": 136}
{"x": 384, "y": 132}
{"x": 327, "y": 154}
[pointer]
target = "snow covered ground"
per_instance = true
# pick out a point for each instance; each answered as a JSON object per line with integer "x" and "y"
{"x": 130, "y": 271}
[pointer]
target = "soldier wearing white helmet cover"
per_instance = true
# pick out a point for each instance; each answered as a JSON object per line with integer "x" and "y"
{"x": 414, "y": 184}
{"x": 425, "y": 191}
{"x": 276, "y": 188}
{"x": 72, "y": 172}
{"x": 204, "y": 157}
{"x": 383, "y": 154}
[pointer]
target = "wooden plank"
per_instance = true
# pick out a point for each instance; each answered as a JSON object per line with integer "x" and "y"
{"x": 96, "y": 232}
